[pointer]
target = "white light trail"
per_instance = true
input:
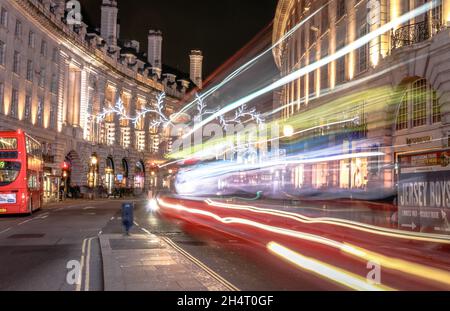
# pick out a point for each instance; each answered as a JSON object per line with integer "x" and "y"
{"x": 316, "y": 65}
{"x": 250, "y": 63}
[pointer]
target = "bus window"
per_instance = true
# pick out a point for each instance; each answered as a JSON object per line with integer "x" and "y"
{"x": 32, "y": 180}
{"x": 8, "y": 143}
{"x": 9, "y": 171}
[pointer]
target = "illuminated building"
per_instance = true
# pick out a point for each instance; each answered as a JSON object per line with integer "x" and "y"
{"x": 410, "y": 61}
{"x": 57, "y": 74}
{"x": 196, "y": 73}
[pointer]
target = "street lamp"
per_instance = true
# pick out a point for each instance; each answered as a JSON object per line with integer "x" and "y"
{"x": 94, "y": 161}
{"x": 288, "y": 131}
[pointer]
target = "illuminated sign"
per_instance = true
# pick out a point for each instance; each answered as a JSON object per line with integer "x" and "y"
{"x": 424, "y": 191}
{"x": 418, "y": 140}
{"x": 2, "y": 165}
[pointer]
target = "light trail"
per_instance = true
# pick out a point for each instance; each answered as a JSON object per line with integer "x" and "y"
{"x": 280, "y": 137}
{"x": 403, "y": 266}
{"x": 316, "y": 65}
{"x": 432, "y": 238}
{"x": 325, "y": 270}
{"x": 347, "y": 85}
{"x": 225, "y": 168}
{"x": 250, "y": 63}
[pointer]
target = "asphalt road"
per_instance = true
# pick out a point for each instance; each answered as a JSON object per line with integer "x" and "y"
{"x": 35, "y": 251}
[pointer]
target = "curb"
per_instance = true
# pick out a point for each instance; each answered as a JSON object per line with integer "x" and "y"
{"x": 112, "y": 279}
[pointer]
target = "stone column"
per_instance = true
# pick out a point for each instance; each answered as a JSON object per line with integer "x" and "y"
{"x": 133, "y": 113}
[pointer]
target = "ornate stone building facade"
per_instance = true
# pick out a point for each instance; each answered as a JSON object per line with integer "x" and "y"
{"x": 57, "y": 76}
{"x": 410, "y": 63}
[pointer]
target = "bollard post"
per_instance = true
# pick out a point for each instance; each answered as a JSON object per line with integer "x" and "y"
{"x": 127, "y": 216}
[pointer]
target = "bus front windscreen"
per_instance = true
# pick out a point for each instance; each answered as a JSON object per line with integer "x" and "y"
{"x": 8, "y": 143}
{"x": 9, "y": 171}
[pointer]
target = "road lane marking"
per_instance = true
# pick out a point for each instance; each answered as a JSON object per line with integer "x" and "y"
{"x": 87, "y": 270}
{"x": 201, "y": 265}
{"x": 4, "y": 231}
{"x": 197, "y": 262}
{"x": 24, "y": 222}
{"x": 83, "y": 251}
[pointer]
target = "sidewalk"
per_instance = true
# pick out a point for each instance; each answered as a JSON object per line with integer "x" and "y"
{"x": 148, "y": 263}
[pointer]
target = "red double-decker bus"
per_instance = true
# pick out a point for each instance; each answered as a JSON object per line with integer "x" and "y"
{"x": 21, "y": 173}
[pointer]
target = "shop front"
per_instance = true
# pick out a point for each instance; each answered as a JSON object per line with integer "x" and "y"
{"x": 139, "y": 178}
{"x": 51, "y": 186}
{"x": 109, "y": 178}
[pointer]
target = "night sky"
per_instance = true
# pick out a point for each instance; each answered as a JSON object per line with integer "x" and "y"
{"x": 217, "y": 27}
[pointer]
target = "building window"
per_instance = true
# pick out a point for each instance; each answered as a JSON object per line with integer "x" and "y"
{"x": 28, "y": 108}
{"x": 419, "y": 102}
{"x": 4, "y": 18}
{"x": 325, "y": 22}
{"x": 340, "y": 9}
{"x": 55, "y": 55}
{"x": 302, "y": 41}
{"x": 30, "y": 70}
{"x": 18, "y": 29}
{"x": 340, "y": 70}
{"x": 436, "y": 108}
{"x": 402, "y": 117}
{"x": 436, "y": 14}
{"x": 312, "y": 83}
{"x": 312, "y": 34}
{"x": 2, "y": 53}
{"x": 14, "y": 103}
{"x": 54, "y": 85}
{"x": 32, "y": 40}
{"x": 324, "y": 77}
{"x": 53, "y": 110}
{"x": 42, "y": 77}
{"x": 2, "y": 96}
{"x": 44, "y": 48}
{"x": 16, "y": 62}
{"x": 40, "y": 111}
{"x": 363, "y": 52}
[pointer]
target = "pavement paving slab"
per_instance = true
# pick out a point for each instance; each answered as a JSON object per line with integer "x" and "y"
{"x": 144, "y": 262}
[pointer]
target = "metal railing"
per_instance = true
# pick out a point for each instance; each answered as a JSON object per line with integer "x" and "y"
{"x": 414, "y": 33}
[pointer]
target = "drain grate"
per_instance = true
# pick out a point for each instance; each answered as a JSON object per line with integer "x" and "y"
{"x": 124, "y": 244}
{"x": 27, "y": 236}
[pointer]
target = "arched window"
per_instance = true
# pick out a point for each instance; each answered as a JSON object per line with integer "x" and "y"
{"x": 402, "y": 117}
{"x": 419, "y": 106}
{"x": 419, "y": 102}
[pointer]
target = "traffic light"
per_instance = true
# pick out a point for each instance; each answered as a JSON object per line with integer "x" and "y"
{"x": 154, "y": 169}
{"x": 65, "y": 169}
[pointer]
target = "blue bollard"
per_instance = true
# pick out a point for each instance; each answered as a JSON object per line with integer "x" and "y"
{"x": 127, "y": 216}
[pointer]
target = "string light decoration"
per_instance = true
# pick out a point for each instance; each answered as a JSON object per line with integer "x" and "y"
{"x": 241, "y": 115}
{"x": 119, "y": 109}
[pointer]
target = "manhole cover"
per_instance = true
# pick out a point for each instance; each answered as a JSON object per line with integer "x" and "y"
{"x": 117, "y": 244}
{"x": 26, "y": 236}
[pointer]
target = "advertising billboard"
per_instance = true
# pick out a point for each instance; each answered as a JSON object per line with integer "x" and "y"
{"x": 424, "y": 191}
